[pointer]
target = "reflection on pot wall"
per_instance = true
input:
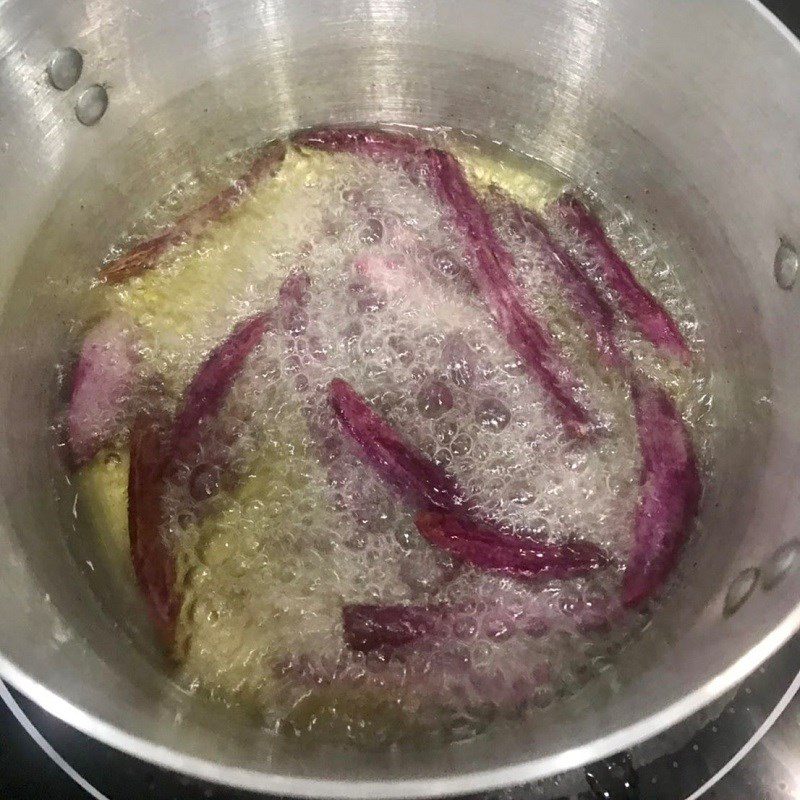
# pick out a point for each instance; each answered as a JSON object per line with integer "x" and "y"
{"x": 605, "y": 95}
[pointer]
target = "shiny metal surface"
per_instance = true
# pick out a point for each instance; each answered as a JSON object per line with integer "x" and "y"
{"x": 742, "y": 747}
{"x": 688, "y": 110}
{"x": 64, "y": 68}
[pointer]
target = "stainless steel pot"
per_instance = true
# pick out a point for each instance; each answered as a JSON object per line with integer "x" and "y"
{"x": 687, "y": 112}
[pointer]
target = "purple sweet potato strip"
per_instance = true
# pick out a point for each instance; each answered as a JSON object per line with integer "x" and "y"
{"x": 157, "y": 448}
{"x": 145, "y": 256}
{"x": 596, "y": 313}
{"x": 369, "y": 626}
{"x": 655, "y": 324}
{"x": 211, "y": 384}
{"x": 520, "y": 557}
{"x": 415, "y": 477}
{"x": 368, "y": 142}
{"x": 669, "y": 496}
{"x": 452, "y": 523}
{"x": 492, "y": 270}
{"x": 372, "y": 627}
{"x": 493, "y": 267}
{"x": 101, "y": 388}
{"x": 152, "y": 557}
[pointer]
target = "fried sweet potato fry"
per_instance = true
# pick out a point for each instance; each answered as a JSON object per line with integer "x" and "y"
{"x": 647, "y": 314}
{"x": 669, "y": 495}
{"x": 145, "y": 256}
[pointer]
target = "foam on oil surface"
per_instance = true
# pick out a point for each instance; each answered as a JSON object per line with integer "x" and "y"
{"x": 303, "y": 526}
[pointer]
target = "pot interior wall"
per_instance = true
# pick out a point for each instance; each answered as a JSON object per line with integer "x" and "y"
{"x": 543, "y": 78}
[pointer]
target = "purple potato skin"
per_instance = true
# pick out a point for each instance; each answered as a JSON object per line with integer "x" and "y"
{"x": 159, "y": 449}
{"x": 669, "y": 496}
{"x": 523, "y": 558}
{"x": 492, "y": 270}
{"x": 145, "y": 256}
{"x": 595, "y": 313}
{"x": 102, "y": 384}
{"x": 647, "y": 314}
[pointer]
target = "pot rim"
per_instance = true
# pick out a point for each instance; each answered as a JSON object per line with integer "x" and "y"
{"x": 466, "y": 782}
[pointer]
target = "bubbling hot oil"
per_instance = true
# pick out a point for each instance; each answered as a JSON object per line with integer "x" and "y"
{"x": 305, "y": 526}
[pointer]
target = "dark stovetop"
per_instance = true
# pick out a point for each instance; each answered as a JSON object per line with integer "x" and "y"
{"x": 662, "y": 770}
{"x": 787, "y": 10}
